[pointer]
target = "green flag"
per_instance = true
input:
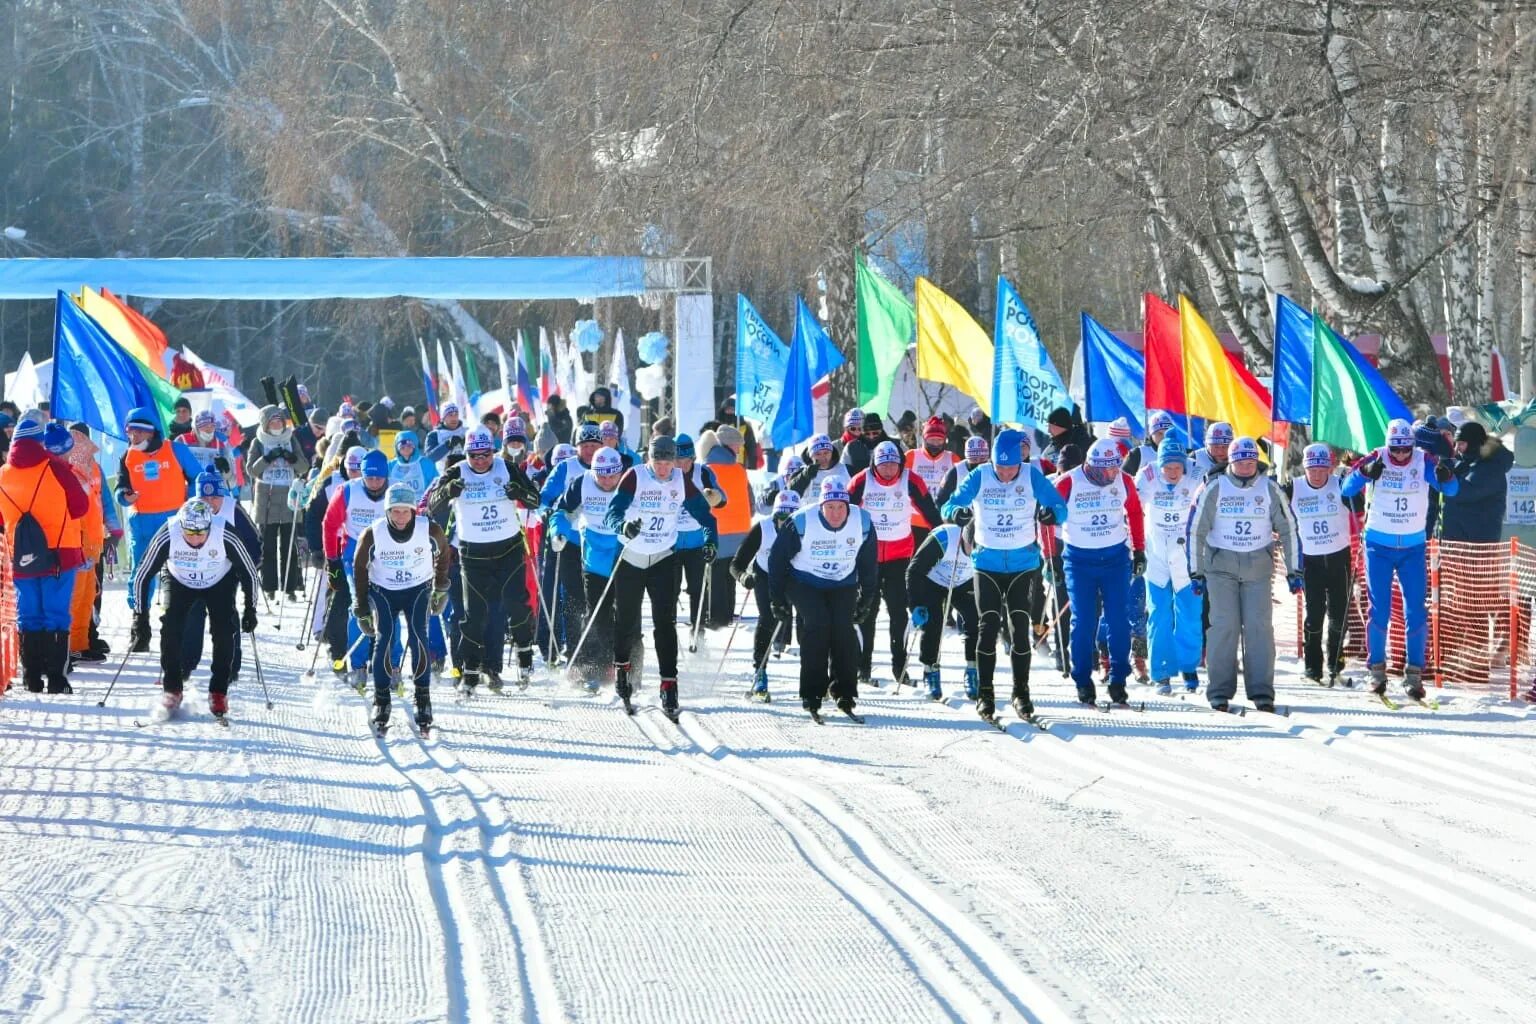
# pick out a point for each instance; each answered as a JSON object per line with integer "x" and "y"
{"x": 887, "y": 323}
{"x": 471, "y": 376}
{"x": 1346, "y": 411}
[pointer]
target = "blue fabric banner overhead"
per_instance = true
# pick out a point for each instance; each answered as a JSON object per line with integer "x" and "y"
{"x": 1114, "y": 378}
{"x": 581, "y": 278}
{"x": 762, "y": 361}
{"x": 1025, "y": 385}
{"x": 811, "y": 357}
{"x": 1292, "y": 386}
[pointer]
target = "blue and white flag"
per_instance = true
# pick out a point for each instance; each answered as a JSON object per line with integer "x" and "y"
{"x": 762, "y": 361}
{"x": 811, "y": 357}
{"x": 1025, "y": 385}
{"x": 1114, "y": 378}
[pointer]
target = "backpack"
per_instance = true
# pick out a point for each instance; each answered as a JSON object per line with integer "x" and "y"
{"x": 31, "y": 553}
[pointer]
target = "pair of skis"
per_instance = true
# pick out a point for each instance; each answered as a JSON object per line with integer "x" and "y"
{"x": 816, "y": 715}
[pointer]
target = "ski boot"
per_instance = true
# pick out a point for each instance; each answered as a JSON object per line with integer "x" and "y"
{"x": 1413, "y": 681}
{"x": 1220, "y": 705}
{"x": 669, "y": 705}
{"x": 381, "y": 717}
{"x": 760, "y": 685}
{"x": 218, "y": 704}
{"x": 1378, "y": 672}
{"x": 492, "y": 680}
{"x": 1139, "y": 659}
{"x": 972, "y": 682}
{"x": 813, "y": 707}
{"x": 931, "y": 680}
{"x": 864, "y": 680}
{"x": 170, "y": 701}
{"x": 524, "y": 667}
{"x": 846, "y": 706}
{"x": 424, "y": 709}
{"x": 1316, "y": 680}
{"x": 1265, "y": 705}
{"x": 1164, "y": 688}
{"x": 1022, "y": 705}
{"x": 359, "y": 678}
{"x": 1191, "y": 682}
{"x": 1337, "y": 679}
{"x": 467, "y": 683}
{"x": 56, "y": 666}
{"x": 621, "y": 686}
{"x": 1118, "y": 696}
{"x": 1088, "y": 695}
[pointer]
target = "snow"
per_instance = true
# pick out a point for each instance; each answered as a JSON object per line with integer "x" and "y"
{"x": 548, "y": 858}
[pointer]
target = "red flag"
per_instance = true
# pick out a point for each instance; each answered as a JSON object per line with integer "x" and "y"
{"x": 184, "y": 375}
{"x": 1164, "y": 351}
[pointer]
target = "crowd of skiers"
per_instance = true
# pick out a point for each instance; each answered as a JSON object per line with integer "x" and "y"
{"x": 448, "y": 543}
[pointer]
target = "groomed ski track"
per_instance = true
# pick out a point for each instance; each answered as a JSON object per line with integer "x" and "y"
{"x": 547, "y": 858}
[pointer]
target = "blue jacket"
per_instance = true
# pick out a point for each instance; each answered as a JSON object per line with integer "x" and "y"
{"x": 1021, "y": 559}
{"x": 599, "y": 551}
{"x": 1356, "y": 482}
{"x": 1475, "y": 511}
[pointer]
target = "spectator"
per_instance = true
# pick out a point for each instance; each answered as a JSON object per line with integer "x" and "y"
{"x": 1475, "y": 512}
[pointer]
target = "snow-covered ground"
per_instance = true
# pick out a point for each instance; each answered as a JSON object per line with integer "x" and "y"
{"x": 550, "y": 859}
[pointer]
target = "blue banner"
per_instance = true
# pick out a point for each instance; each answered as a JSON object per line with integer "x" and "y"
{"x": 811, "y": 357}
{"x": 762, "y": 361}
{"x": 1114, "y": 378}
{"x": 1292, "y": 386}
{"x": 1025, "y": 385}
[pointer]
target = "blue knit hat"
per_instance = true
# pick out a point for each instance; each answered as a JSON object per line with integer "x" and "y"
{"x": 57, "y": 438}
{"x": 685, "y": 448}
{"x": 375, "y": 464}
{"x": 31, "y": 425}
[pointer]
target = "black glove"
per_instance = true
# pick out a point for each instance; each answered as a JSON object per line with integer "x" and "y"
{"x": 335, "y": 574}
{"x": 1443, "y": 472}
{"x": 454, "y": 486}
{"x": 138, "y": 638}
{"x": 1046, "y": 515}
{"x": 455, "y": 442}
{"x": 865, "y": 608}
{"x": 631, "y": 529}
{"x": 961, "y": 516}
{"x": 248, "y": 619}
{"x": 1138, "y": 562}
{"x": 512, "y": 491}
{"x": 781, "y": 611}
{"x": 748, "y": 578}
{"x": 1372, "y": 468}
{"x": 711, "y": 549}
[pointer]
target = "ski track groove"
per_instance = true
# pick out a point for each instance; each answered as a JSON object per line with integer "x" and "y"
{"x": 891, "y": 892}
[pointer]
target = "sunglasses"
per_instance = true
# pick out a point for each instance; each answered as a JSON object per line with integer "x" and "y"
{"x": 481, "y": 455}
{"x": 194, "y": 533}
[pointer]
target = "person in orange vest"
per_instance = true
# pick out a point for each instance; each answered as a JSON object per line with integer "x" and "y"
{"x": 42, "y": 504}
{"x": 59, "y": 440}
{"x": 155, "y": 478}
{"x": 86, "y": 643}
{"x": 733, "y": 520}
{"x": 932, "y": 463}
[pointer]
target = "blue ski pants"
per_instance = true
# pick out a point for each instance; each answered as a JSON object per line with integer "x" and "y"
{"x": 1407, "y": 563}
{"x": 1099, "y": 577}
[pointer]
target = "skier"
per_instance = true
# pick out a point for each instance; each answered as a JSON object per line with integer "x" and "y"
{"x": 645, "y": 511}
{"x": 1103, "y": 513}
{"x": 448, "y": 435}
{"x": 493, "y": 551}
{"x": 823, "y": 466}
{"x": 1005, "y": 499}
{"x": 1238, "y": 518}
{"x": 204, "y": 565}
{"x": 352, "y": 509}
{"x": 1400, "y": 477}
{"x": 275, "y": 461}
{"x": 42, "y": 505}
{"x": 152, "y": 482}
{"x": 589, "y": 496}
{"x": 889, "y": 493}
{"x": 1324, "y": 520}
{"x": 978, "y": 450}
{"x": 932, "y": 463}
{"x": 1167, "y": 500}
{"x": 344, "y": 465}
{"x": 750, "y": 567}
{"x": 410, "y": 468}
{"x": 400, "y": 568}
{"x": 690, "y": 534}
{"x": 1212, "y": 459}
{"x": 941, "y": 573}
{"x": 823, "y": 565}
{"x": 1142, "y": 462}
{"x": 214, "y": 492}
{"x": 560, "y": 575}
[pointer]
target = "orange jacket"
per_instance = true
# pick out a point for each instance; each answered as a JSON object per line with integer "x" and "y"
{"x": 47, "y": 488}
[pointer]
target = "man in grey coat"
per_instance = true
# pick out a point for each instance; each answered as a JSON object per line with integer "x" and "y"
{"x": 275, "y": 462}
{"x": 1240, "y": 516}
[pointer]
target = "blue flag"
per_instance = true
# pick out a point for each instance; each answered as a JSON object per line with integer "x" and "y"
{"x": 761, "y": 363}
{"x": 1292, "y": 388}
{"x": 811, "y": 357}
{"x": 1025, "y": 385}
{"x": 95, "y": 380}
{"x": 1114, "y": 378}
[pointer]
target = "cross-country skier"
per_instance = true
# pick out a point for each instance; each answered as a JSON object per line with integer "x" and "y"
{"x": 1400, "y": 477}
{"x": 1005, "y": 498}
{"x": 1212, "y": 459}
{"x": 400, "y": 568}
{"x": 978, "y": 450}
{"x": 485, "y": 489}
{"x": 447, "y": 437}
{"x": 1240, "y": 516}
{"x": 750, "y": 567}
{"x": 214, "y": 492}
{"x": 690, "y": 533}
{"x": 589, "y": 496}
{"x": 889, "y": 494}
{"x": 204, "y": 565}
{"x": 275, "y": 461}
{"x": 1142, "y": 462}
{"x": 560, "y": 575}
{"x": 1324, "y": 520}
{"x": 1173, "y": 627}
{"x": 352, "y": 509}
{"x": 346, "y": 463}
{"x": 941, "y": 573}
{"x": 409, "y": 466}
{"x": 645, "y": 511}
{"x": 823, "y": 566}
{"x": 1103, "y": 514}
{"x": 821, "y": 467}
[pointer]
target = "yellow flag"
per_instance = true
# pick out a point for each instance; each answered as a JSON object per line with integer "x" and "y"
{"x": 127, "y": 328}
{"x": 1217, "y": 387}
{"x": 952, "y": 348}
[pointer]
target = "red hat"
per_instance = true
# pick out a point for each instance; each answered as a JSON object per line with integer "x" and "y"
{"x": 935, "y": 428}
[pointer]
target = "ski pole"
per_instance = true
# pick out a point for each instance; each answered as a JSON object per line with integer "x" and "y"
{"x": 592, "y": 612}
{"x": 698, "y": 620}
{"x": 260, "y": 677}
{"x": 758, "y": 667}
{"x": 746, "y": 593}
{"x": 309, "y": 616}
{"x": 124, "y": 664}
{"x": 538, "y": 581}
